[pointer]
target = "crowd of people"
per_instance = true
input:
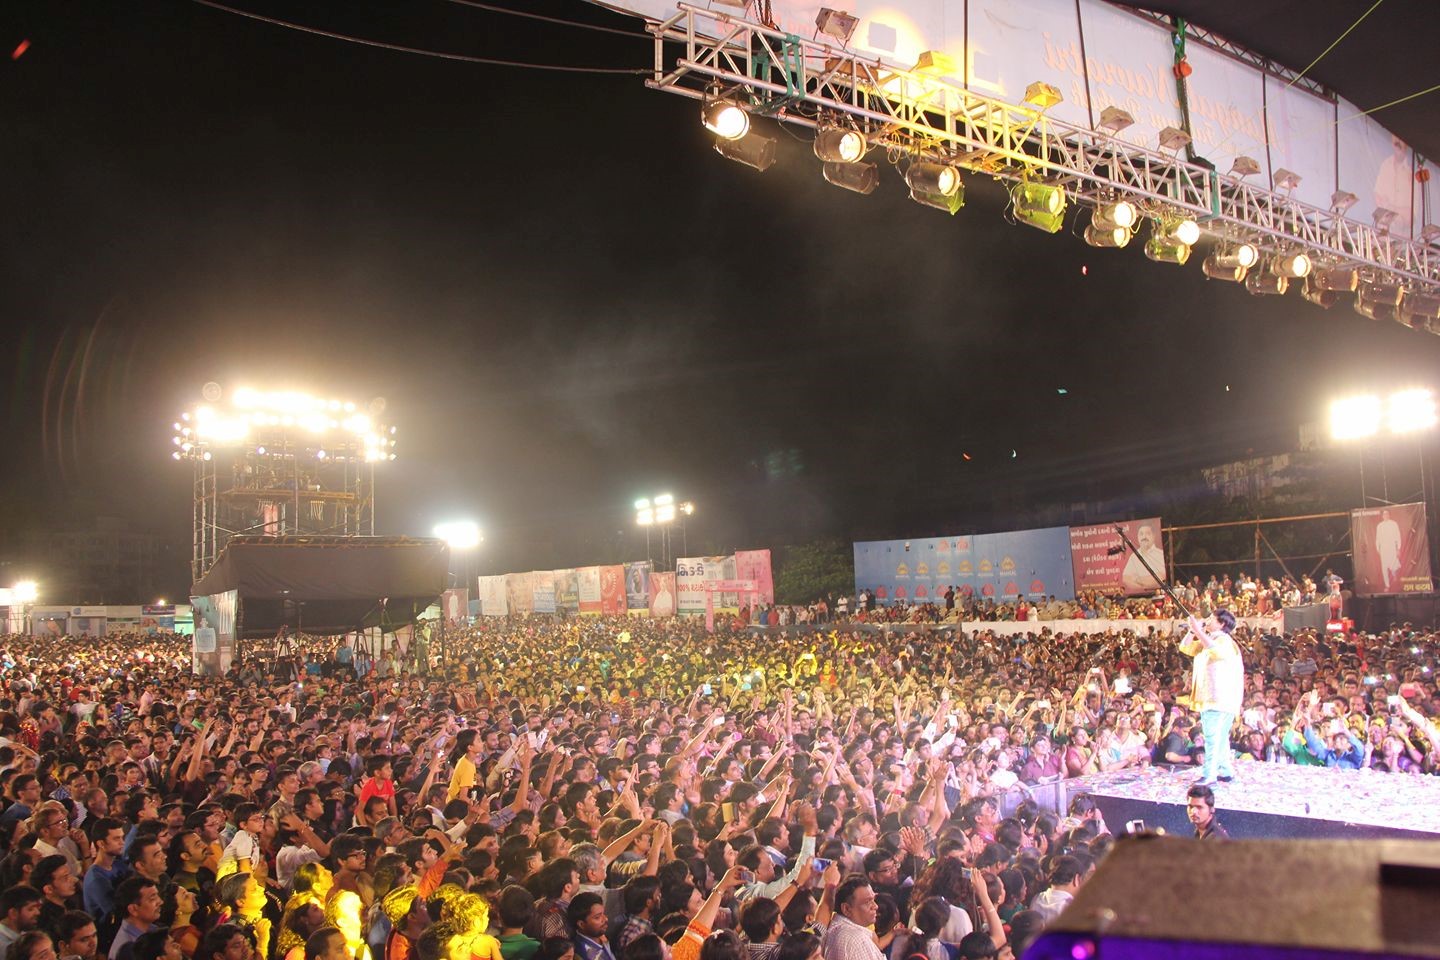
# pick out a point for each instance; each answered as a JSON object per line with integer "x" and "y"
{"x": 1244, "y": 594}
{"x": 624, "y": 789}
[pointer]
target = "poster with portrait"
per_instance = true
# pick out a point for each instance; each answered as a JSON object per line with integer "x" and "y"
{"x": 662, "y": 594}
{"x": 637, "y": 587}
{"x": 589, "y": 580}
{"x": 612, "y": 589}
{"x": 1391, "y": 550}
{"x": 1103, "y": 563}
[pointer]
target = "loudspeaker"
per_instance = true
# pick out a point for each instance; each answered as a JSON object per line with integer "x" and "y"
{"x": 1167, "y": 897}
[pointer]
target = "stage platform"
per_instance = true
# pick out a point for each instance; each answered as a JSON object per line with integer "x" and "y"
{"x": 1271, "y": 801}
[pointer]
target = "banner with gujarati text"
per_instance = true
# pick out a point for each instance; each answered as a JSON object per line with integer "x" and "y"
{"x": 995, "y": 566}
{"x": 542, "y": 587}
{"x": 1391, "y": 550}
{"x": 1103, "y": 563}
{"x": 493, "y": 601}
{"x": 567, "y": 591}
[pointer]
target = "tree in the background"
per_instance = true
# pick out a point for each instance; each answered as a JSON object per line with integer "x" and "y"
{"x": 808, "y": 571}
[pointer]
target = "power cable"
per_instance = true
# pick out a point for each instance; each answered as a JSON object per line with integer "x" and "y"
{"x": 492, "y": 8}
{"x": 1336, "y": 43}
{"x": 420, "y": 51}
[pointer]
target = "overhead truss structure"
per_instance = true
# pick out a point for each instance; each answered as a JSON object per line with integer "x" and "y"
{"x": 709, "y": 54}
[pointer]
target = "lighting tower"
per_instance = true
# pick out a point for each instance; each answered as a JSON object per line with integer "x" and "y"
{"x": 281, "y": 463}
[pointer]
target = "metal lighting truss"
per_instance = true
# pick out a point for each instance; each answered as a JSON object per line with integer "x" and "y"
{"x": 707, "y": 54}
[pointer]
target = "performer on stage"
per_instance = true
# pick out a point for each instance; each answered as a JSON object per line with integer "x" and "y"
{"x": 1218, "y": 688}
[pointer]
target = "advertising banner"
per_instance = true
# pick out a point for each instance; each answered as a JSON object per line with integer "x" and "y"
{"x": 589, "y": 590}
{"x": 691, "y": 574}
{"x": 493, "y": 600}
{"x": 542, "y": 586}
{"x": 612, "y": 589}
{"x": 1391, "y": 550}
{"x": 662, "y": 594}
{"x": 1302, "y": 139}
{"x": 996, "y": 566}
{"x": 755, "y": 565}
{"x": 1378, "y": 167}
{"x": 1104, "y": 564}
{"x": 213, "y": 643}
{"x": 567, "y": 592}
{"x": 519, "y": 594}
{"x": 637, "y": 587}
{"x": 455, "y": 605}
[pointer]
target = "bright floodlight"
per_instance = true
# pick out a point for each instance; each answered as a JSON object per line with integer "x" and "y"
{"x": 1411, "y": 410}
{"x": 459, "y": 534}
{"x": 26, "y": 591}
{"x": 837, "y": 145}
{"x": 1352, "y": 418}
{"x": 725, "y": 119}
{"x": 1185, "y": 230}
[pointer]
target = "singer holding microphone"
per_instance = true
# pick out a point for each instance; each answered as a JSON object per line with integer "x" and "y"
{"x": 1218, "y": 689}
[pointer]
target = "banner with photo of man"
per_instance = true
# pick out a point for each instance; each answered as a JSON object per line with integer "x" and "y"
{"x": 589, "y": 590}
{"x": 493, "y": 600}
{"x": 637, "y": 587}
{"x": 662, "y": 594}
{"x": 567, "y": 591}
{"x": 542, "y": 589}
{"x": 1103, "y": 563}
{"x": 1391, "y": 550}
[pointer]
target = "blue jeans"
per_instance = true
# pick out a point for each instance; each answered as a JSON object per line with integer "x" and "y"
{"x": 1215, "y": 724}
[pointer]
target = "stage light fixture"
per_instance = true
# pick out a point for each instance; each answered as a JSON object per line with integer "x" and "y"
{"x": 1098, "y": 236}
{"x": 1173, "y": 138}
{"x": 1244, "y": 167}
{"x": 837, "y": 145}
{"x": 1115, "y": 119}
{"x": 1420, "y": 310}
{"x": 936, "y": 63}
{"x": 175, "y": 455}
{"x": 1374, "y": 311}
{"x": 1164, "y": 249}
{"x": 1430, "y": 232}
{"x": 1042, "y": 95}
{"x": 1352, "y": 418}
{"x": 1040, "y": 205}
{"x": 939, "y": 201}
{"x": 934, "y": 178}
{"x": 1383, "y": 218}
{"x": 1266, "y": 284}
{"x": 1335, "y": 278}
{"x": 836, "y": 23}
{"x": 1119, "y": 213}
{"x": 753, "y": 150}
{"x": 1221, "y": 266}
{"x": 725, "y": 119}
{"x": 1286, "y": 179}
{"x": 1410, "y": 410}
{"x": 1379, "y": 292}
{"x": 1342, "y": 200}
{"x": 1292, "y": 266}
{"x": 858, "y": 177}
{"x": 26, "y": 591}
{"x": 1183, "y": 229}
{"x": 1318, "y": 295}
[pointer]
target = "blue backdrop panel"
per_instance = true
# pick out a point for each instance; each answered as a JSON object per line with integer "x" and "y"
{"x": 1035, "y": 563}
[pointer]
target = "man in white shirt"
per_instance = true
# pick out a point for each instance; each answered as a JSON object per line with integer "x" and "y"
{"x": 1219, "y": 687}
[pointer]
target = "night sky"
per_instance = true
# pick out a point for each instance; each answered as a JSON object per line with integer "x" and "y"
{"x": 569, "y": 300}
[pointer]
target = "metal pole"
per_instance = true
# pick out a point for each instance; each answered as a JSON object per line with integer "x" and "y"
{"x": 1363, "y": 501}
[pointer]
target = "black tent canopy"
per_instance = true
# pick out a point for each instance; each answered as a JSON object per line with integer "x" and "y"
{"x": 327, "y": 585}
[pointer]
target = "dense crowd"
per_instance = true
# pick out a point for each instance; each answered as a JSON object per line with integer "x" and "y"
{"x": 620, "y": 788}
{"x": 1243, "y": 594}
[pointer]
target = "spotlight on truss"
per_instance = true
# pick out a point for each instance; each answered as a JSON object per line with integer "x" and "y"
{"x": 1173, "y": 138}
{"x": 754, "y": 150}
{"x": 1374, "y": 311}
{"x": 1183, "y": 229}
{"x": 1119, "y": 213}
{"x": 1261, "y": 283}
{"x": 1042, "y": 95}
{"x": 1420, "y": 310}
{"x": 1286, "y": 179}
{"x": 838, "y": 145}
{"x": 1244, "y": 167}
{"x": 1377, "y": 291}
{"x": 1336, "y": 279}
{"x": 1292, "y": 266}
{"x": 1040, "y": 205}
{"x": 1115, "y": 119}
{"x": 1098, "y": 236}
{"x": 725, "y": 119}
{"x": 936, "y": 63}
{"x": 1318, "y": 295}
{"x": 836, "y": 23}
{"x": 1165, "y": 249}
{"x": 858, "y": 177}
{"x": 1383, "y": 217}
{"x": 1342, "y": 200}
{"x": 1231, "y": 264}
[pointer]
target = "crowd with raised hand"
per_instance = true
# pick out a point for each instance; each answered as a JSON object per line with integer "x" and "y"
{"x": 619, "y": 788}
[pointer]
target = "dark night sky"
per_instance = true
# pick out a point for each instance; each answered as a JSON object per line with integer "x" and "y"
{"x": 569, "y": 300}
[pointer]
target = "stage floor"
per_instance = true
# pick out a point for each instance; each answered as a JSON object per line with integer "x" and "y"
{"x": 1273, "y": 800}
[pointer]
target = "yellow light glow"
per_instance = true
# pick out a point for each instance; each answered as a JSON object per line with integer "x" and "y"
{"x": 1410, "y": 410}
{"x": 1352, "y": 418}
{"x": 26, "y": 591}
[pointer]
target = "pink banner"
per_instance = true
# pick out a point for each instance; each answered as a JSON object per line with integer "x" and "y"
{"x": 1102, "y": 562}
{"x": 662, "y": 594}
{"x": 1391, "y": 550}
{"x": 589, "y": 582}
{"x": 519, "y": 594}
{"x": 612, "y": 589}
{"x": 755, "y": 565}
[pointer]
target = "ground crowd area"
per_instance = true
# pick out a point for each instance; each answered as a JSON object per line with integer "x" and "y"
{"x": 621, "y": 788}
